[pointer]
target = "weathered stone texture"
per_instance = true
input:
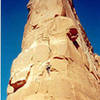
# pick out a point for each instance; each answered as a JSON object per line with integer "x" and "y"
{"x": 57, "y": 60}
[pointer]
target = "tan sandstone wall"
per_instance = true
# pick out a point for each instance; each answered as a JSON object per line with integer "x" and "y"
{"x": 57, "y": 60}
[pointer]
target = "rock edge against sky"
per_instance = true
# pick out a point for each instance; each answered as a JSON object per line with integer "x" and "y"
{"x": 57, "y": 61}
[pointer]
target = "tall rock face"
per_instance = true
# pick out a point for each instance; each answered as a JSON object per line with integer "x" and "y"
{"x": 57, "y": 60}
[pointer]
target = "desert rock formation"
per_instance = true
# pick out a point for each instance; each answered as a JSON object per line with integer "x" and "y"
{"x": 57, "y": 61}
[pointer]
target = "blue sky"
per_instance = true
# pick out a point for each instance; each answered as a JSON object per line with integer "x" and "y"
{"x": 14, "y": 17}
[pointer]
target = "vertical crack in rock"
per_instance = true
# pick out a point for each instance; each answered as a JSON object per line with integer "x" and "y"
{"x": 48, "y": 64}
{"x": 49, "y": 47}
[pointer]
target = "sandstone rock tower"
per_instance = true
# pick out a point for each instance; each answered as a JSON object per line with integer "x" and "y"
{"x": 57, "y": 60}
